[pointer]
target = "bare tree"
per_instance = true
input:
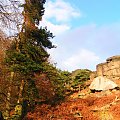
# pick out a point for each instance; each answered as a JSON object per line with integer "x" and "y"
{"x": 10, "y": 16}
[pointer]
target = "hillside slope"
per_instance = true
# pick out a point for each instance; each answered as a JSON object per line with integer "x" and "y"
{"x": 81, "y": 106}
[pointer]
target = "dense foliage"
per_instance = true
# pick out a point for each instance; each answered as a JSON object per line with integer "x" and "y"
{"x": 79, "y": 77}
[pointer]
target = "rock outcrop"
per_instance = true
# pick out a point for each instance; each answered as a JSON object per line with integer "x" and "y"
{"x": 110, "y": 69}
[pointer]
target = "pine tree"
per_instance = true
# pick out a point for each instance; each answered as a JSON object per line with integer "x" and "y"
{"x": 27, "y": 54}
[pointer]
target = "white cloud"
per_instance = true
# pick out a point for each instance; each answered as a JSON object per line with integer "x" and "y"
{"x": 56, "y": 29}
{"x": 57, "y": 15}
{"x": 60, "y": 11}
{"x": 82, "y": 59}
{"x": 98, "y": 43}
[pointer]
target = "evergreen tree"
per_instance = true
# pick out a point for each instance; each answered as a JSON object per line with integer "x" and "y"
{"x": 27, "y": 54}
{"x": 28, "y": 50}
{"x": 79, "y": 77}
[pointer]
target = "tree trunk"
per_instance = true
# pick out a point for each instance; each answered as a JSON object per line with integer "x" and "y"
{"x": 9, "y": 95}
{"x": 20, "y": 97}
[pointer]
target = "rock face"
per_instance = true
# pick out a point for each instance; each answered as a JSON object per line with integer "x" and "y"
{"x": 110, "y": 69}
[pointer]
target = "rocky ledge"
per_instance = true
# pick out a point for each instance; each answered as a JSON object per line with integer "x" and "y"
{"x": 109, "y": 69}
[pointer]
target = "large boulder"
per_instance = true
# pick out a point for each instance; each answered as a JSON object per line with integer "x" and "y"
{"x": 102, "y": 83}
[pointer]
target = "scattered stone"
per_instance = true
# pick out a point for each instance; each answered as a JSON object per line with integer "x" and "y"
{"x": 77, "y": 114}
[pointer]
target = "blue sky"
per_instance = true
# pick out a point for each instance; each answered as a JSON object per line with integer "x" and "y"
{"x": 87, "y": 32}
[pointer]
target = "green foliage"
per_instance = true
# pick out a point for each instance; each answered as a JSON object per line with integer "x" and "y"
{"x": 35, "y": 9}
{"x": 19, "y": 62}
{"x": 30, "y": 92}
{"x": 79, "y": 77}
{"x": 39, "y": 37}
{"x": 28, "y": 52}
{"x": 66, "y": 77}
{"x": 56, "y": 79}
